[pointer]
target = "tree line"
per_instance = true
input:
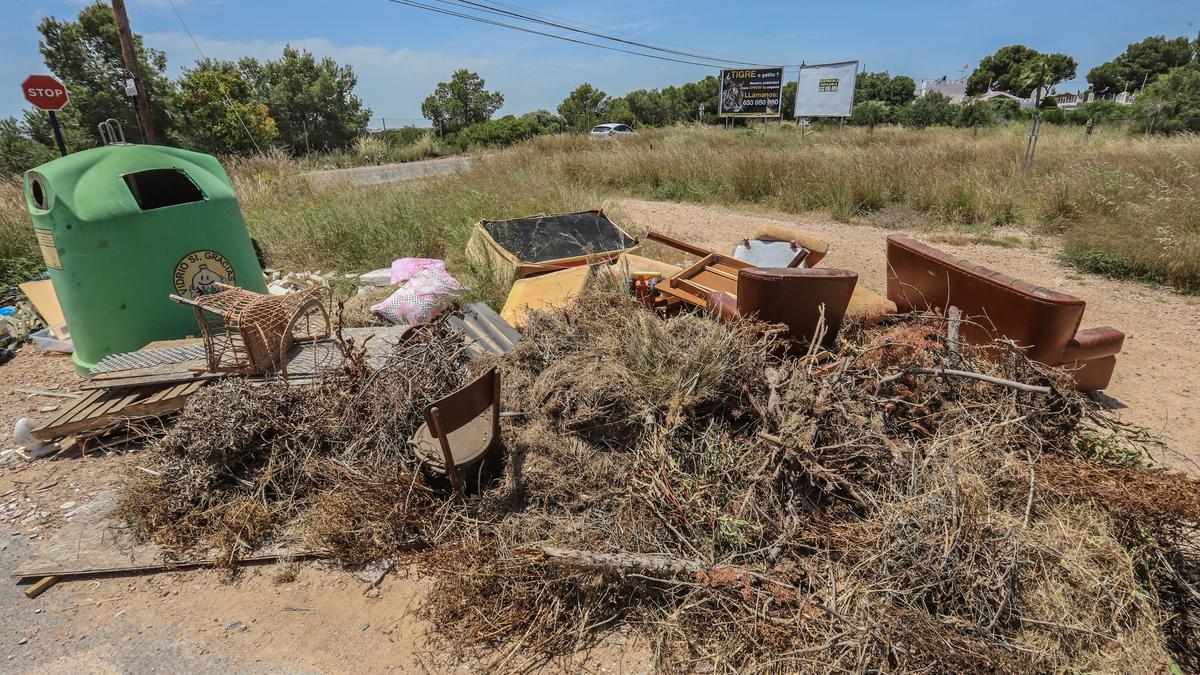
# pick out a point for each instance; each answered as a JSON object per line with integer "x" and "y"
{"x": 296, "y": 101}
{"x": 307, "y": 104}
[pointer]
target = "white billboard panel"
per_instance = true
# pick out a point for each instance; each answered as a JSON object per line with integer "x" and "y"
{"x": 826, "y": 90}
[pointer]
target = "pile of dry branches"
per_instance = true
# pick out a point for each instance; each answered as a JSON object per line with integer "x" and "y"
{"x": 325, "y": 465}
{"x": 902, "y": 503}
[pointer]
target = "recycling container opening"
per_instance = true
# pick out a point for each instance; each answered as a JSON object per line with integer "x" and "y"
{"x": 157, "y": 188}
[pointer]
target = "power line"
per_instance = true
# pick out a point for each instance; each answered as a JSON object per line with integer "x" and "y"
{"x": 544, "y": 15}
{"x": 228, "y": 103}
{"x": 524, "y": 29}
{"x": 526, "y": 17}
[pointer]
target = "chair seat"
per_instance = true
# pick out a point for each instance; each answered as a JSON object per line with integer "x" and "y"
{"x": 468, "y": 443}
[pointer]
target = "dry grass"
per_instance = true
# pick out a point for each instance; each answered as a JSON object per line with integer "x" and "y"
{"x": 1127, "y": 204}
{"x": 325, "y": 463}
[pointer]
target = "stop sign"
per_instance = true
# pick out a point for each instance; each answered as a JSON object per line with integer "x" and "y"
{"x": 45, "y": 92}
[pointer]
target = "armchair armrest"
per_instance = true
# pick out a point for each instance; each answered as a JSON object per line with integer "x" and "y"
{"x": 1093, "y": 343}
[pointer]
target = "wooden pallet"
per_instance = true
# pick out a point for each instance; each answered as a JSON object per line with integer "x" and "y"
{"x": 102, "y": 408}
{"x": 713, "y": 273}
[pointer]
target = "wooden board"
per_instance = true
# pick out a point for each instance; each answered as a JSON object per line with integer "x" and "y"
{"x": 45, "y": 301}
{"x": 304, "y": 359}
{"x": 93, "y": 542}
{"x": 714, "y": 272}
{"x": 103, "y": 408}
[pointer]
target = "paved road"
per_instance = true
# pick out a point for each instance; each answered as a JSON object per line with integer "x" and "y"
{"x": 388, "y": 173}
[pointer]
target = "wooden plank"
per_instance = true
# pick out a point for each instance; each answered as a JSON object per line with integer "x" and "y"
{"x": 167, "y": 378}
{"x": 112, "y": 401}
{"x": 714, "y": 272}
{"x": 161, "y": 393}
{"x": 88, "y": 411}
{"x": 40, "y": 587}
{"x": 160, "y": 369}
{"x": 141, "y": 402}
{"x": 72, "y": 410}
{"x": 45, "y": 301}
{"x": 181, "y": 342}
{"x": 127, "y": 399}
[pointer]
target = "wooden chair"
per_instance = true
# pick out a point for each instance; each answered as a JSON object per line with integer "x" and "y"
{"x": 462, "y": 431}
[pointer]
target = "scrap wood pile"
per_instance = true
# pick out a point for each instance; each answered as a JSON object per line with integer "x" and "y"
{"x": 902, "y": 503}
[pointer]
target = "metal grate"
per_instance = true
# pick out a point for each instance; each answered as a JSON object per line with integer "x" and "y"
{"x": 147, "y": 358}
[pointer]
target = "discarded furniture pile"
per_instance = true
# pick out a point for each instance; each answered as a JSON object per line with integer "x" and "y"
{"x": 752, "y": 458}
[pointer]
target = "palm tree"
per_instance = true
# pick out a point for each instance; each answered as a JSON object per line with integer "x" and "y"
{"x": 1038, "y": 74}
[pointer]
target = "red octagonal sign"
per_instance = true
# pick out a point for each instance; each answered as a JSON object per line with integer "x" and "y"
{"x": 45, "y": 92}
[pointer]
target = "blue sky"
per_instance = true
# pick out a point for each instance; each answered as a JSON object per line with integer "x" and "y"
{"x": 400, "y": 53}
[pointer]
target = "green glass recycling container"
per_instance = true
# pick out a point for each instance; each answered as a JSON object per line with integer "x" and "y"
{"x": 122, "y": 227}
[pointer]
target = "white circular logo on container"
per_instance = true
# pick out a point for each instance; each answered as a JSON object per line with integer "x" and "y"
{"x": 199, "y": 272}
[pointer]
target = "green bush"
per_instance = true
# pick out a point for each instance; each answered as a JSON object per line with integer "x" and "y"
{"x": 1172, "y": 104}
{"x": 976, "y": 114}
{"x": 510, "y": 130}
{"x": 932, "y": 109}
{"x": 1054, "y": 116}
{"x": 1100, "y": 111}
{"x": 871, "y": 113}
{"x": 404, "y": 136}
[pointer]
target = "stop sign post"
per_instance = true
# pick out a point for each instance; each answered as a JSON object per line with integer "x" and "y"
{"x": 47, "y": 93}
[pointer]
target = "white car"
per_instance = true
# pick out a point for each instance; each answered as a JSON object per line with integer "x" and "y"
{"x": 611, "y": 131}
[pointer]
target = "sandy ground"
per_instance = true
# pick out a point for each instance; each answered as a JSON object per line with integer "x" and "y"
{"x": 1157, "y": 375}
{"x": 327, "y": 620}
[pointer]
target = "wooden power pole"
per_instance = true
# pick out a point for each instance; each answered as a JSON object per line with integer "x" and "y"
{"x": 131, "y": 64}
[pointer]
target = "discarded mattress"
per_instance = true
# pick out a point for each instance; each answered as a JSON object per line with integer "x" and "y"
{"x": 526, "y": 246}
{"x": 544, "y": 291}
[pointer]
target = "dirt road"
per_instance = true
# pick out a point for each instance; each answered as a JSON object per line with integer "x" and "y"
{"x": 1157, "y": 376}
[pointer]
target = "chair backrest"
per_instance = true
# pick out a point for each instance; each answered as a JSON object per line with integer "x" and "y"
{"x": 920, "y": 277}
{"x": 794, "y": 297}
{"x": 465, "y": 404}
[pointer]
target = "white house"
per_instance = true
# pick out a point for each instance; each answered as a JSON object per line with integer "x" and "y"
{"x": 956, "y": 90}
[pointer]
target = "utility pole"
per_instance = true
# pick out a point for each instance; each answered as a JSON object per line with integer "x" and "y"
{"x": 129, "y": 54}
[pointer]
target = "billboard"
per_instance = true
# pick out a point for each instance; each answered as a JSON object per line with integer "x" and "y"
{"x": 750, "y": 92}
{"x": 826, "y": 90}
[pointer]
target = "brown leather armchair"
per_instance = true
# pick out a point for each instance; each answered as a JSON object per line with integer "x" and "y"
{"x": 790, "y": 296}
{"x": 1045, "y": 322}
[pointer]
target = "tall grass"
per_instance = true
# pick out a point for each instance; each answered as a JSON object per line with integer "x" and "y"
{"x": 19, "y": 256}
{"x": 351, "y": 228}
{"x": 1126, "y": 205}
{"x": 1126, "y": 200}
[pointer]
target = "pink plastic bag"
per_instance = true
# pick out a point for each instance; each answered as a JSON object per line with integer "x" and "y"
{"x": 425, "y": 295}
{"x": 406, "y": 268}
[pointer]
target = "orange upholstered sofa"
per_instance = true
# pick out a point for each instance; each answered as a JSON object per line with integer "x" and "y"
{"x": 1044, "y": 322}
